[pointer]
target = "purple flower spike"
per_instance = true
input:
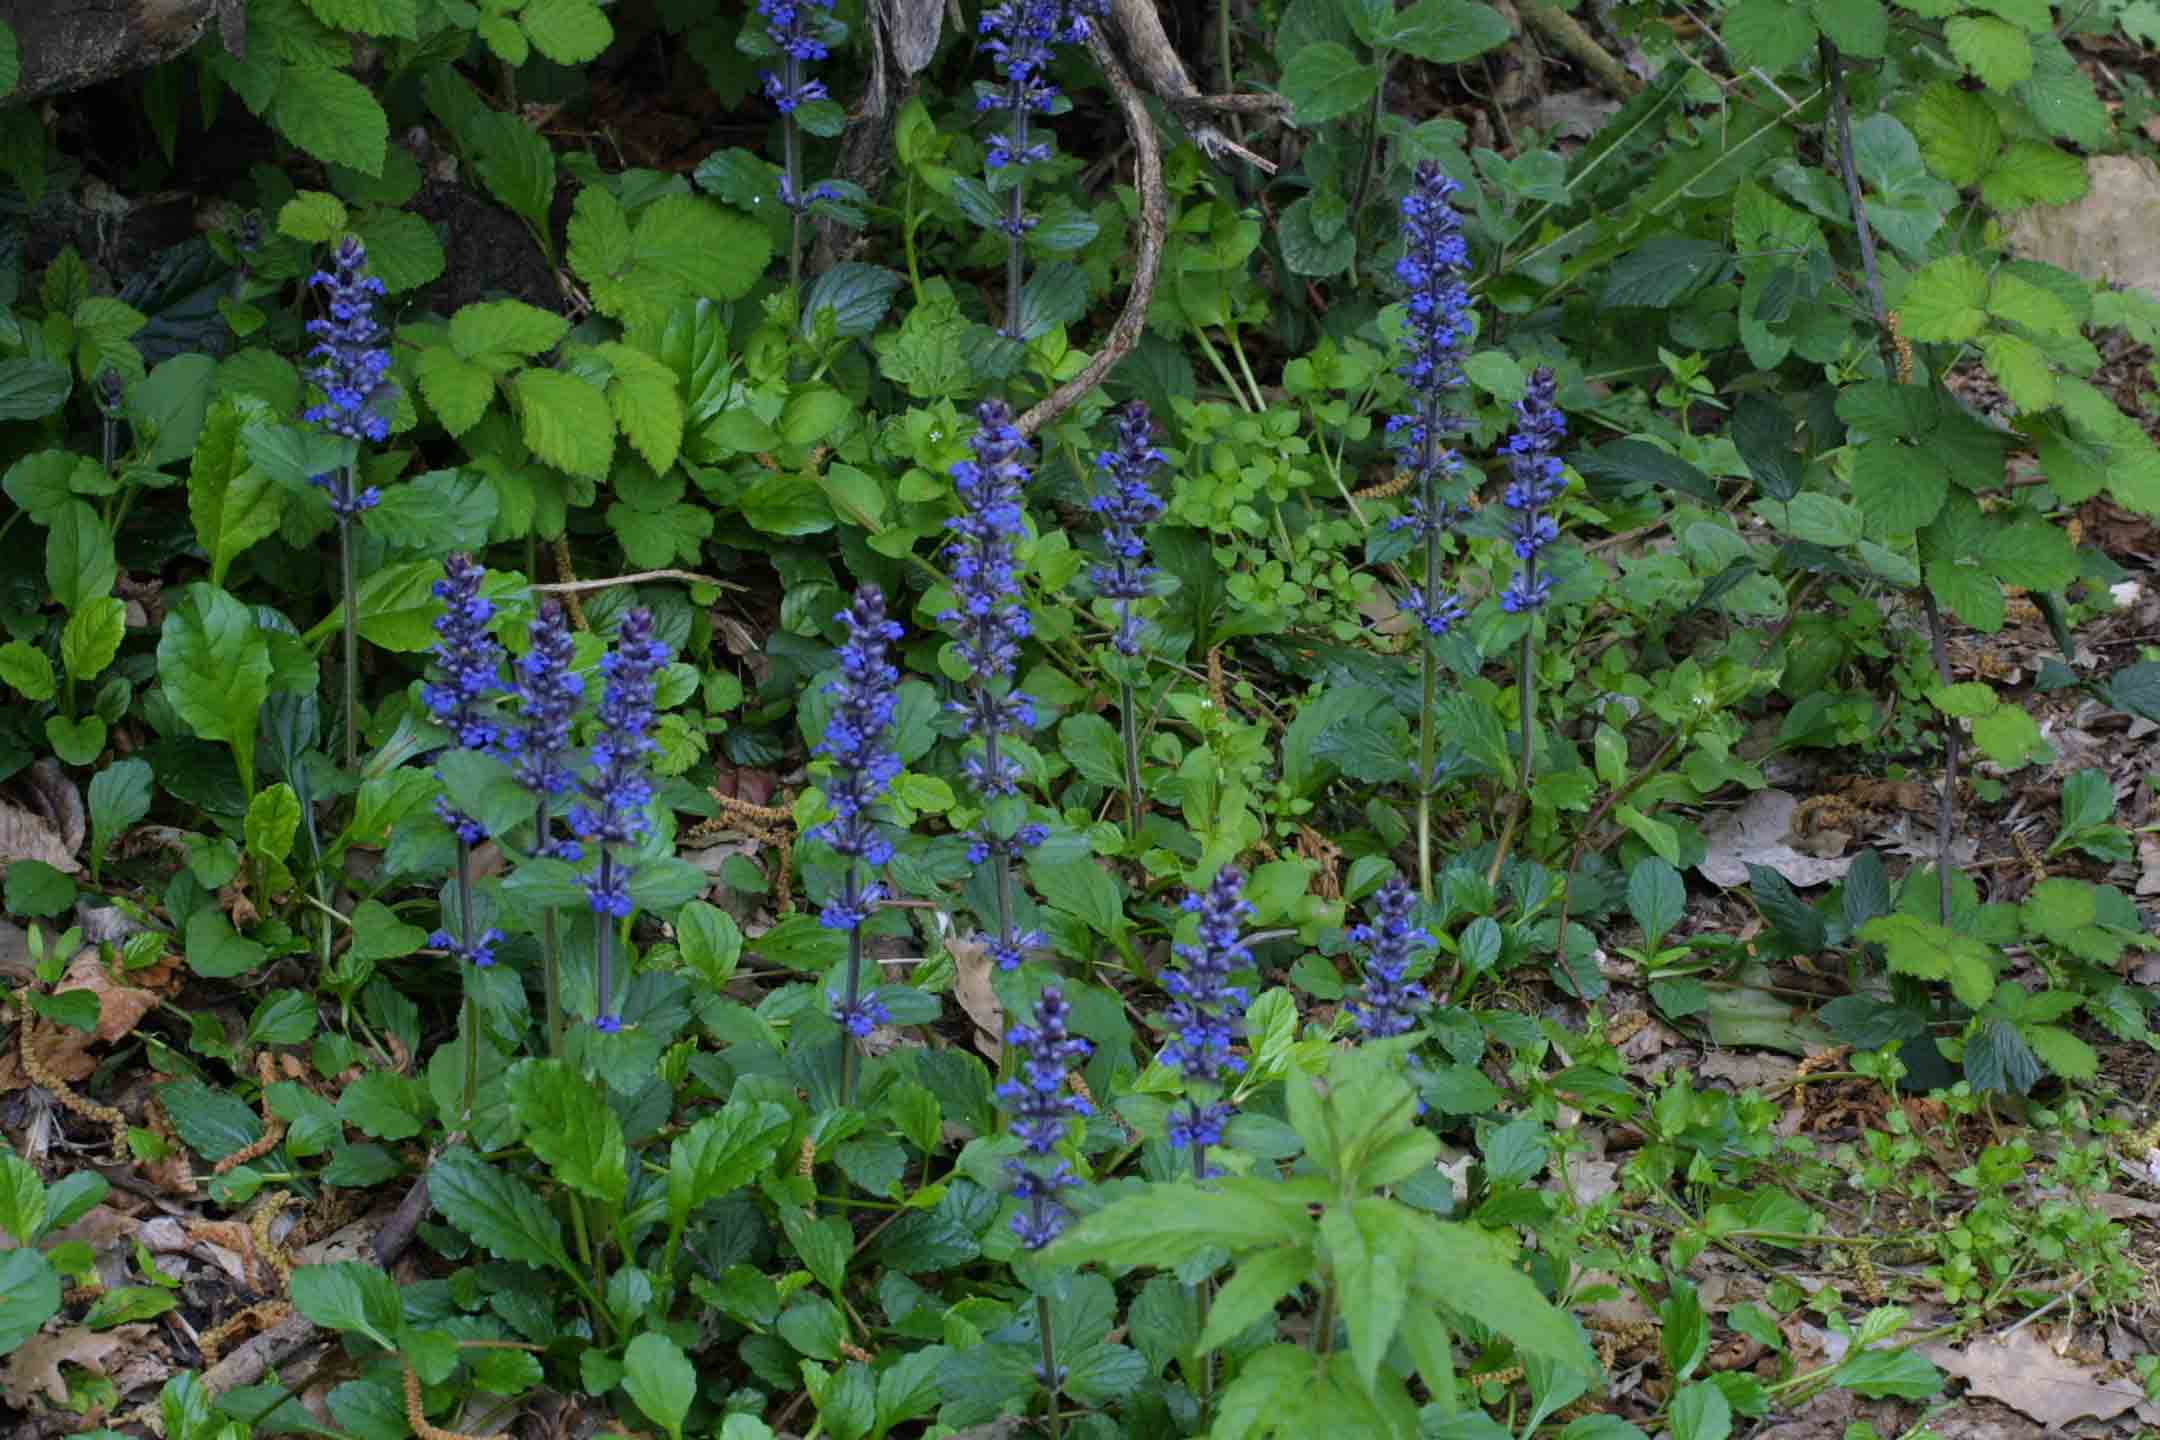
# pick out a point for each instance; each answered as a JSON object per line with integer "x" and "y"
{"x": 468, "y": 656}
{"x": 1390, "y": 1003}
{"x": 865, "y": 1015}
{"x": 1041, "y": 1103}
{"x": 858, "y": 737}
{"x": 1128, "y": 508}
{"x": 1206, "y": 1008}
{"x": 549, "y": 692}
{"x": 351, "y": 352}
{"x": 619, "y": 788}
{"x": 1434, "y": 272}
{"x": 608, "y": 1024}
{"x": 1538, "y": 480}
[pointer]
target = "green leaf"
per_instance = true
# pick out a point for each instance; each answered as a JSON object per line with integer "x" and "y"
{"x": 1773, "y": 34}
{"x": 402, "y": 250}
{"x": 1818, "y": 519}
{"x": 501, "y": 1213}
{"x": 1959, "y": 135}
{"x": 1252, "y": 1292}
{"x": 1169, "y": 1223}
{"x": 714, "y": 252}
{"x": 1656, "y": 898}
{"x": 2062, "y": 1052}
{"x": 1899, "y": 488}
{"x": 214, "y": 666}
{"x": 1932, "y": 952}
{"x": 92, "y": 635}
{"x": 1858, "y": 27}
{"x": 721, "y": 1153}
{"x": 1888, "y": 1374}
{"x": 349, "y": 1296}
{"x": 212, "y": 1123}
{"x": 1081, "y": 887}
{"x": 313, "y": 217}
{"x": 398, "y": 606}
{"x": 569, "y": 1125}
{"x": 1324, "y": 82}
{"x": 273, "y": 819}
{"x": 1969, "y": 592}
{"x": 1445, "y": 32}
{"x": 565, "y": 422}
{"x": 1663, "y": 271}
{"x": 331, "y": 116}
{"x": 647, "y": 402}
{"x": 79, "y": 561}
{"x": 2021, "y": 369}
{"x": 1372, "y": 1275}
{"x": 498, "y": 334}
{"x": 2018, "y": 301}
{"x": 1997, "y": 52}
{"x": 1472, "y": 1272}
{"x": 118, "y": 797}
{"x": 568, "y": 32}
{"x": 378, "y": 934}
{"x": 22, "y": 1198}
{"x": 457, "y": 390}
{"x": 2010, "y": 737}
{"x": 10, "y": 77}
{"x": 384, "y": 1106}
{"x": 29, "y": 1296}
{"x": 2033, "y": 172}
{"x": 1945, "y": 302}
{"x": 2060, "y": 95}
{"x": 660, "y": 1380}
{"x": 1091, "y": 744}
{"x": 1701, "y": 1412}
{"x": 441, "y": 510}
{"x": 26, "y": 669}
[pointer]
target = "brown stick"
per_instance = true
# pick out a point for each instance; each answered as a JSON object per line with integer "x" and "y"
{"x": 1154, "y": 224}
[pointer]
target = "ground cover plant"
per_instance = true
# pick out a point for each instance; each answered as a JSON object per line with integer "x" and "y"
{"x": 1339, "y": 717}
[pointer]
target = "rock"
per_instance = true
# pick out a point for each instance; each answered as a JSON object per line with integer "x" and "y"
{"x": 2112, "y": 234}
{"x": 69, "y": 44}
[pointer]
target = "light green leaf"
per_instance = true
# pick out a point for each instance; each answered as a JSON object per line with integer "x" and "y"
{"x": 331, "y": 116}
{"x": 349, "y": 1296}
{"x": 1959, "y": 135}
{"x": 1253, "y": 1290}
{"x": 457, "y": 390}
{"x": 26, "y": 668}
{"x": 660, "y": 1380}
{"x": 2021, "y": 369}
{"x": 1998, "y": 53}
{"x": 1930, "y": 951}
{"x": 402, "y": 250}
{"x": 313, "y": 217}
{"x": 500, "y": 1212}
{"x": 79, "y": 561}
{"x": 2033, "y": 172}
{"x": 1858, "y": 27}
{"x": 565, "y": 422}
{"x": 92, "y": 637}
{"x": 1899, "y": 488}
{"x": 231, "y": 502}
{"x": 498, "y": 334}
{"x": 1169, "y": 1223}
{"x": 1324, "y": 81}
{"x": 1945, "y": 302}
{"x": 2061, "y": 1051}
{"x": 713, "y": 252}
{"x": 1773, "y": 34}
{"x": 570, "y": 1127}
{"x": 647, "y": 402}
{"x": 568, "y": 32}
{"x": 214, "y": 666}
{"x": 273, "y": 819}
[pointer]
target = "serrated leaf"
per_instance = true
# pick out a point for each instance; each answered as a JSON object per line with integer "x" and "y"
{"x": 569, "y": 1125}
{"x": 312, "y": 217}
{"x": 1773, "y": 34}
{"x": 1444, "y": 32}
{"x": 647, "y": 402}
{"x": 714, "y": 252}
{"x": 1899, "y": 488}
{"x": 331, "y": 116}
{"x": 1959, "y": 135}
{"x": 1968, "y": 592}
{"x": 2033, "y": 172}
{"x": 568, "y": 32}
{"x": 1935, "y": 952}
{"x": 1325, "y": 81}
{"x": 402, "y": 250}
{"x": 1996, "y": 51}
{"x": 500, "y": 1212}
{"x": 498, "y": 334}
{"x": 2030, "y": 553}
{"x": 1858, "y": 27}
{"x": 565, "y": 422}
{"x": 458, "y": 391}
{"x": 1945, "y": 302}
{"x": 2021, "y": 369}
{"x": 1663, "y": 271}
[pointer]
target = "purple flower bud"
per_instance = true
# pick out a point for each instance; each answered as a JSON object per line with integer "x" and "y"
{"x": 1390, "y": 1003}
{"x": 353, "y": 358}
{"x": 858, "y": 740}
{"x": 1128, "y": 508}
{"x": 1040, "y": 1101}
{"x": 1538, "y": 481}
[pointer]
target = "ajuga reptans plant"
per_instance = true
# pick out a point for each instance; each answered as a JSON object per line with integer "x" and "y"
{"x": 618, "y": 788}
{"x": 1535, "y": 481}
{"x": 1129, "y": 505}
{"x": 799, "y": 33}
{"x": 1040, "y": 1100}
{"x": 352, "y": 365}
{"x": 1437, "y": 331}
{"x": 1206, "y": 1012}
{"x": 858, "y": 744}
{"x": 544, "y": 761}
{"x": 1390, "y": 1001}
{"x": 988, "y": 624}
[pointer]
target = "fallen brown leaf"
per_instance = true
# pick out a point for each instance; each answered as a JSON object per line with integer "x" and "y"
{"x": 34, "y": 1369}
{"x": 2024, "y": 1372}
{"x": 1760, "y": 833}
{"x": 972, "y": 988}
{"x": 25, "y": 835}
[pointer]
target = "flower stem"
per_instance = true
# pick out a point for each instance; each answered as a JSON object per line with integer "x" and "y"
{"x": 1000, "y": 861}
{"x": 550, "y": 944}
{"x": 347, "y": 569}
{"x": 1015, "y": 213}
{"x": 466, "y": 937}
{"x": 604, "y": 981}
{"x": 1049, "y": 1363}
{"x": 851, "y": 898}
{"x": 1129, "y": 724}
{"x": 1430, "y": 673}
{"x": 791, "y": 145}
